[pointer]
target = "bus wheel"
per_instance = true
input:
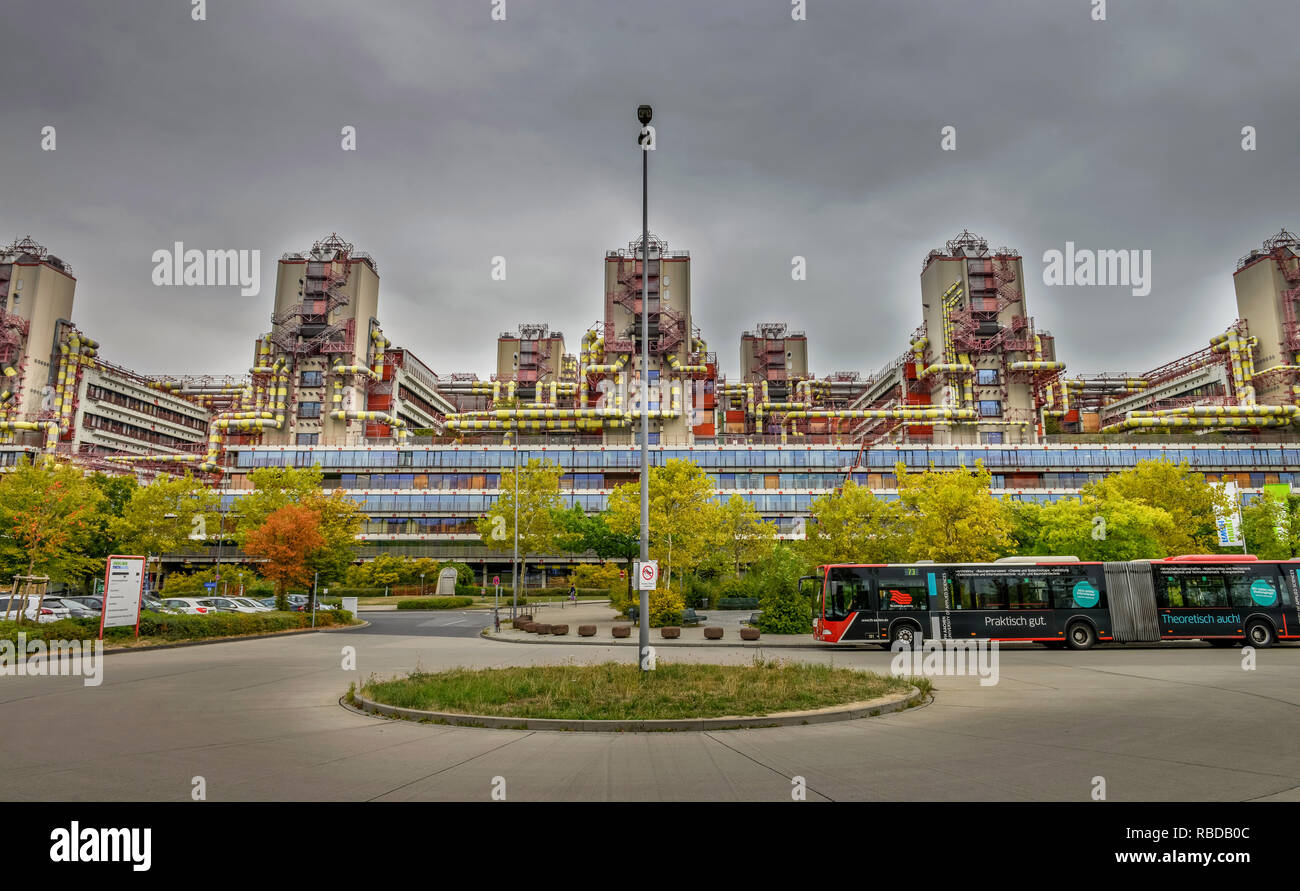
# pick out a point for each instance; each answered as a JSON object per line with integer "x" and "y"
{"x": 1259, "y": 634}
{"x": 1080, "y": 636}
{"x": 904, "y": 632}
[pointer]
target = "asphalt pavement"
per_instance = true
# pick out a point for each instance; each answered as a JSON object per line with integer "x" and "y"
{"x": 261, "y": 720}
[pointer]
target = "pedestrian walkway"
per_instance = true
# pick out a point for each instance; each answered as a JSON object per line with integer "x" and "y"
{"x": 604, "y": 619}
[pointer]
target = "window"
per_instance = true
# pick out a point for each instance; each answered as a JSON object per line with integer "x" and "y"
{"x": 313, "y": 378}
{"x": 307, "y": 439}
{"x": 846, "y": 591}
{"x": 903, "y": 592}
{"x": 991, "y": 438}
{"x": 987, "y": 377}
{"x": 1198, "y": 590}
{"x": 990, "y": 408}
{"x": 309, "y": 409}
{"x": 1032, "y": 592}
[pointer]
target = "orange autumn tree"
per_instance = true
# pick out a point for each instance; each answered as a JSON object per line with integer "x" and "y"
{"x": 287, "y": 540}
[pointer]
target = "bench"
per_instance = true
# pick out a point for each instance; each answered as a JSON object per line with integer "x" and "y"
{"x": 690, "y": 617}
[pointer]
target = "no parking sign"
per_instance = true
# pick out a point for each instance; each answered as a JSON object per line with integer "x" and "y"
{"x": 647, "y": 575}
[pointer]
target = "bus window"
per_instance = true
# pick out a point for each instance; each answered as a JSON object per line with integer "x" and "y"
{"x": 1030, "y": 592}
{"x": 1076, "y": 590}
{"x": 959, "y": 594}
{"x": 1256, "y": 587}
{"x": 1200, "y": 591}
{"x": 990, "y": 593}
{"x": 903, "y": 592}
{"x": 847, "y": 590}
{"x": 1169, "y": 592}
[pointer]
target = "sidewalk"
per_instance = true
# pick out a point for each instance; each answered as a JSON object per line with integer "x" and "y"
{"x": 604, "y": 618}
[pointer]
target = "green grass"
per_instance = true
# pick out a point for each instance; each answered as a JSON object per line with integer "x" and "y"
{"x": 620, "y": 691}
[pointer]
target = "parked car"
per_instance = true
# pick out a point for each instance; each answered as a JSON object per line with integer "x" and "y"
{"x": 255, "y": 605}
{"x": 75, "y": 609}
{"x": 226, "y": 605}
{"x": 189, "y": 606}
{"x": 34, "y": 610}
{"x": 95, "y": 603}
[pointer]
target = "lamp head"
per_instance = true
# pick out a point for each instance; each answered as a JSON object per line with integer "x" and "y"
{"x": 644, "y": 113}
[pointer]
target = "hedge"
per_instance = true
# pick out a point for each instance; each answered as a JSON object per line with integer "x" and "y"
{"x": 435, "y": 603}
{"x": 162, "y": 626}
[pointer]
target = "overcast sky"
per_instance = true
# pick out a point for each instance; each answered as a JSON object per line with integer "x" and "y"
{"x": 776, "y": 138}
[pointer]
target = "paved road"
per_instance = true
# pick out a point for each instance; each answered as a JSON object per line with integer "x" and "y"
{"x": 433, "y": 623}
{"x": 259, "y": 720}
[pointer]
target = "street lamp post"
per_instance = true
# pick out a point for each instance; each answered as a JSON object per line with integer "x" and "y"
{"x": 644, "y": 113}
{"x": 514, "y": 561}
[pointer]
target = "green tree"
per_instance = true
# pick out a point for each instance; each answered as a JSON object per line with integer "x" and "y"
{"x": 1026, "y": 521}
{"x": 1178, "y": 490}
{"x": 776, "y": 577}
{"x": 537, "y": 488}
{"x": 47, "y": 518}
{"x": 580, "y": 533}
{"x": 742, "y": 536}
{"x": 952, "y": 516}
{"x": 682, "y": 531}
{"x": 1095, "y": 529}
{"x": 1268, "y": 526}
{"x": 852, "y": 525}
{"x": 168, "y": 515}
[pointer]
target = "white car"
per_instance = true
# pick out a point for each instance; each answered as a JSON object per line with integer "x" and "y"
{"x": 50, "y": 611}
{"x": 191, "y": 606}
{"x": 251, "y": 605}
{"x": 229, "y": 605}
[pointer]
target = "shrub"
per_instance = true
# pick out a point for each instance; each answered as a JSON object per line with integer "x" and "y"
{"x": 163, "y": 626}
{"x": 784, "y": 609}
{"x": 619, "y": 599}
{"x": 435, "y": 603}
{"x": 666, "y": 607}
{"x": 604, "y": 575}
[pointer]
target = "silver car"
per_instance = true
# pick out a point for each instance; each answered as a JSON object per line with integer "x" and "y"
{"x": 34, "y": 610}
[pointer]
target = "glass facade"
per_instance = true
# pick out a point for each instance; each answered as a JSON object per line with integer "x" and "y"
{"x": 431, "y": 493}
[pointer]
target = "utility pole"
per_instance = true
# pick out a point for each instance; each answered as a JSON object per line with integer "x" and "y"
{"x": 514, "y": 561}
{"x": 644, "y": 113}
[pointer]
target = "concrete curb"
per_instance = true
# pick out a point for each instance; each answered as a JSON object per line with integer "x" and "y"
{"x": 571, "y": 640}
{"x": 848, "y": 712}
{"x": 216, "y": 640}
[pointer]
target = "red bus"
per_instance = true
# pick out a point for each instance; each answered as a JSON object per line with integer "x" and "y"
{"x": 1223, "y": 599}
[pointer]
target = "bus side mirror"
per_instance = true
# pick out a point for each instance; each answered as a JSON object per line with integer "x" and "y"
{"x": 806, "y": 578}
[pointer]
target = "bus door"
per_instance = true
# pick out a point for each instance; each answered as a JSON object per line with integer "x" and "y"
{"x": 902, "y": 602}
{"x": 847, "y": 611}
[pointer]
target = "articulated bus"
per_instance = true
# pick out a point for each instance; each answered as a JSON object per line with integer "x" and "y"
{"x": 1060, "y": 601}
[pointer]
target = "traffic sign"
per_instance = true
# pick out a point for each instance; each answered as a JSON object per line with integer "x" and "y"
{"x": 496, "y": 579}
{"x": 210, "y": 585}
{"x": 647, "y": 575}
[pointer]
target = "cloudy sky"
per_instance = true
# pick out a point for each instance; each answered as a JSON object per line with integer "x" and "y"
{"x": 478, "y": 138}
